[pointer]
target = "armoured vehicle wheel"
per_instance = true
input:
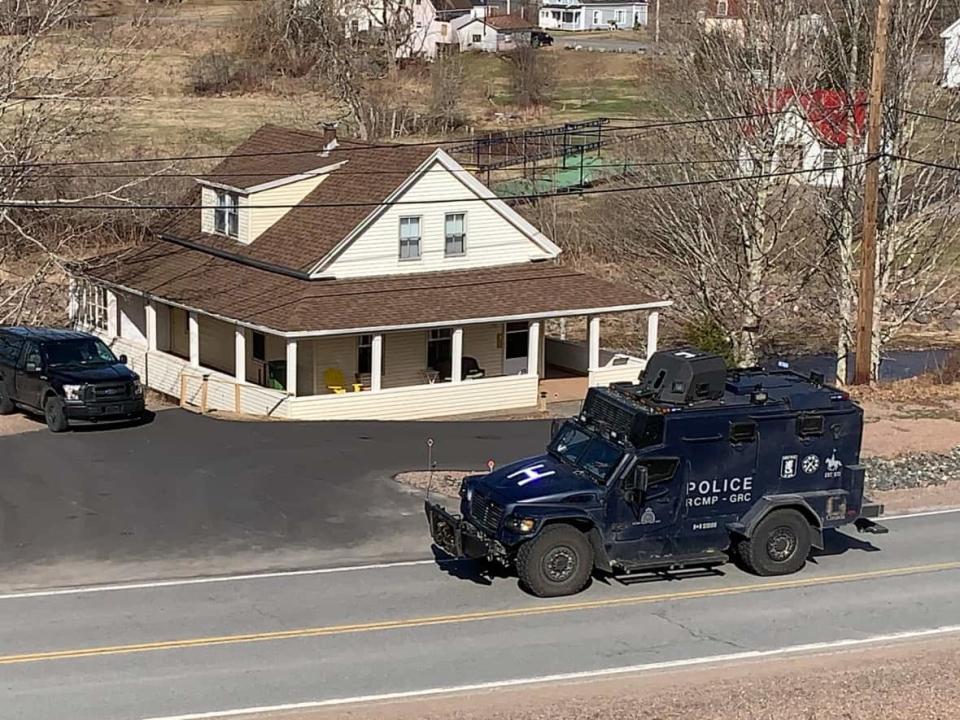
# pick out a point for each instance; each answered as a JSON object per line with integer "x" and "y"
{"x": 6, "y": 404}
{"x": 779, "y": 546}
{"x": 55, "y": 415}
{"x": 557, "y": 562}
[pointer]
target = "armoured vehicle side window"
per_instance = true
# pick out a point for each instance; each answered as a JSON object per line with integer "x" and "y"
{"x": 659, "y": 470}
{"x": 743, "y": 432}
{"x": 810, "y": 425}
{"x": 10, "y": 349}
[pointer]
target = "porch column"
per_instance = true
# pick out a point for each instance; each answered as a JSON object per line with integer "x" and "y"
{"x": 194, "y": 325}
{"x": 653, "y": 329}
{"x": 456, "y": 372}
{"x": 240, "y": 354}
{"x": 376, "y": 362}
{"x": 533, "y": 348}
{"x": 151, "y": 311}
{"x": 113, "y": 315}
{"x": 593, "y": 342}
{"x": 291, "y": 366}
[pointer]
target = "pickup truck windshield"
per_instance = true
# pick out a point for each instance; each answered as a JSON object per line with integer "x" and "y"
{"x": 84, "y": 352}
{"x": 589, "y": 453}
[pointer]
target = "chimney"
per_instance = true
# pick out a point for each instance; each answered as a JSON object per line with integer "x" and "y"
{"x": 329, "y": 138}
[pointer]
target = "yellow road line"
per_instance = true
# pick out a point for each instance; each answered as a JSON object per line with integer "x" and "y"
{"x": 468, "y": 617}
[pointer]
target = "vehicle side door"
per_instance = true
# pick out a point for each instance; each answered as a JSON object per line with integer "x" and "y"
{"x": 641, "y": 527}
{"x": 30, "y": 380}
{"x": 10, "y": 346}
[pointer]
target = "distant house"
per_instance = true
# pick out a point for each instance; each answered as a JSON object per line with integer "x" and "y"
{"x": 723, "y": 16}
{"x": 494, "y": 33}
{"x": 591, "y": 14}
{"x": 320, "y": 279}
{"x": 951, "y": 55}
{"x": 813, "y": 129}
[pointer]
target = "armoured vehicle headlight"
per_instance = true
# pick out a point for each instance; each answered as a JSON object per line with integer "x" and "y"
{"x": 522, "y": 525}
{"x": 72, "y": 392}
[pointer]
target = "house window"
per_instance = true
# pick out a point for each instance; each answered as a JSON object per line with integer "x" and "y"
{"x": 92, "y": 307}
{"x": 225, "y": 220}
{"x": 455, "y": 226}
{"x": 597, "y": 17}
{"x": 477, "y": 38}
{"x": 722, "y": 8}
{"x": 621, "y": 17}
{"x": 410, "y": 238}
{"x": 439, "y": 347}
{"x": 829, "y": 159}
{"x": 365, "y": 355}
{"x": 259, "y": 347}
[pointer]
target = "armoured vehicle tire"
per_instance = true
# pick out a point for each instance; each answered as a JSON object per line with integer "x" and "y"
{"x": 55, "y": 415}
{"x": 779, "y": 546}
{"x": 6, "y": 404}
{"x": 557, "y": 562}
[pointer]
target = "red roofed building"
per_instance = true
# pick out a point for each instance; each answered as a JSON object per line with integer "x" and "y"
{"x": 813, "y": 130}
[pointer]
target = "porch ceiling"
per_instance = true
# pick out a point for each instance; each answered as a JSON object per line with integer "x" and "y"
{"x": 287, "y": 305}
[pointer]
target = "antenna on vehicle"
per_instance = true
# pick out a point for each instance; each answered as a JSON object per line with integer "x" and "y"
{"x": 430, "y": 466}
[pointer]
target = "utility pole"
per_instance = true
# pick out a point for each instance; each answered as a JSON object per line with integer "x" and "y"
{"x": 868, "y": 245}
{"x": 656, "y": 35}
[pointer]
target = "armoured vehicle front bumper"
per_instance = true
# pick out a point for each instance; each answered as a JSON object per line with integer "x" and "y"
{"x": 459, "y": 537}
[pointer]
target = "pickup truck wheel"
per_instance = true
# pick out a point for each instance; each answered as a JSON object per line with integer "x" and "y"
{"x": 55, "y": 414}
{"x": 779, "y": 546}
{"x": 6, "y": 404}
{"x": 557, "y": 562}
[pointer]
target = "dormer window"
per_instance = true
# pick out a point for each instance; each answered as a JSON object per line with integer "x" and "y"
{"x": 225, "y": 216}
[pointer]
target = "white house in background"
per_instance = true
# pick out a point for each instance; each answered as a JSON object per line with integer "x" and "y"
{"x": 951, "y": 55}
{"x": 811, "y": 135}
{"x": 345, "y": 281}
{"x": 494, "y": 33}
{"x": 592, "y": 14}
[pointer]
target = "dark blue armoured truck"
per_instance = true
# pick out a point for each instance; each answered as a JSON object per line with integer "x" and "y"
{"x": 691, "y": 467}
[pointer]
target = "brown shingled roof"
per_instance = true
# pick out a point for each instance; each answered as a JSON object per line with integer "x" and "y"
{"x": 235, "y": 291}
{"x": 507, "y": 22}
{"x": 304, "y": 235}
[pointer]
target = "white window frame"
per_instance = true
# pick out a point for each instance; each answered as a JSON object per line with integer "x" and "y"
{"x": 723, "y": 8}
{"x": 365, "y": 342}
{"x": 621, "y": 17}
{"x": 407, "y": 240}
{"x": 598, "y": 17}
{"x": 834, "y": 157}
{"x": 93, "y": 307}
{"x": 447, "y": 236}
{"x": 226, "y": 214}
{"x": 476, "y": 38}
{"x": 438, "y": 335}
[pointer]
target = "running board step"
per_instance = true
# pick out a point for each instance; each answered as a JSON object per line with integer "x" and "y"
{"x": 674, "y": 562}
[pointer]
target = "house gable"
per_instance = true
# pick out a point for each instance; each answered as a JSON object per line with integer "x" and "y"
{"x": 495, "y": 233}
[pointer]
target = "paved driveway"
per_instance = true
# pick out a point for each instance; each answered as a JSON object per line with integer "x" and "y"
{"x": 189, "y": 495}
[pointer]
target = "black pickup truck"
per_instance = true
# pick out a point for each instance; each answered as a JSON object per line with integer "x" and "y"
{"x": 65, "y": 375}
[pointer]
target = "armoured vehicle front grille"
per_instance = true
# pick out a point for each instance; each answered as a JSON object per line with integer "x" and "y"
{"x": 486, "y": 514}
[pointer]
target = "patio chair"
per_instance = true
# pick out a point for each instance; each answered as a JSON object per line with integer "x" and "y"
{"x": 469, "y": 369}
{"x": 333, "y": 377}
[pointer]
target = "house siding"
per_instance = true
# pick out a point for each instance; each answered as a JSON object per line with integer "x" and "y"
{"x": 179, "y": 338}
{"x": 261, "y": 218}
{"x": 216, "y": 344}
{"x": 485, "y": 343}
{"x": 208, "y": 199}
{"x": 951, "y": 61}
{"x": 491, "y": 239}
{"x": 133, "y": 318}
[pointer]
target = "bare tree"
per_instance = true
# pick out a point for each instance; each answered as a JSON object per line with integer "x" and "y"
{"x": 739, "y": 245}
{"x": 530, "y": 76}
{"x": 915, "y": 237}
{"x": 51, "y": 106}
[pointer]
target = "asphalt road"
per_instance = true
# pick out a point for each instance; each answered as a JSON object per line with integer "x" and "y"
{"x": 207, "y": 647}
{"x": 187, "y": 495}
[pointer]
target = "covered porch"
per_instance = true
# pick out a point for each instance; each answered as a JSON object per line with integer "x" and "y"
{"x": 389, "y": 373}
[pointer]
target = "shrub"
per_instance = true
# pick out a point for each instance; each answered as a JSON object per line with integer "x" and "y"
{"x": 530, "y": 75}
{"x": 706, "y": 334}
{"x": 948, "y": 372}
{"x": 218, "y": 72}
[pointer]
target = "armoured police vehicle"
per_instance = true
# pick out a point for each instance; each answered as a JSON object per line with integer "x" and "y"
{"x": 692, "y": 466}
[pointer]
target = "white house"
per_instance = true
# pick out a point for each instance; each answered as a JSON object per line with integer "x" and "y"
{"x": 592, "y": 15}
{"x": 494, "y": 33}
{"x": 809, "y": 135}
{"x": 951, "y": 55}
{"x": 315, "y": 279}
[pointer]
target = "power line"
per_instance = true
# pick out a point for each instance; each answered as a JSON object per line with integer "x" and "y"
{"x": 354, "y": 147}
{"x": 45, "y": 205}
{"x": 922, "y": 162}
{"x": 932, "y": 116}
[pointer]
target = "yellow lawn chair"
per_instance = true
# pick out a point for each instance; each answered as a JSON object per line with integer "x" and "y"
{"x": 333, "y": 377}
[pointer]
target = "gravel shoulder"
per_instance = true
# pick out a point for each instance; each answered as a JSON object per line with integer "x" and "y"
{"x": 915, "y": 680}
